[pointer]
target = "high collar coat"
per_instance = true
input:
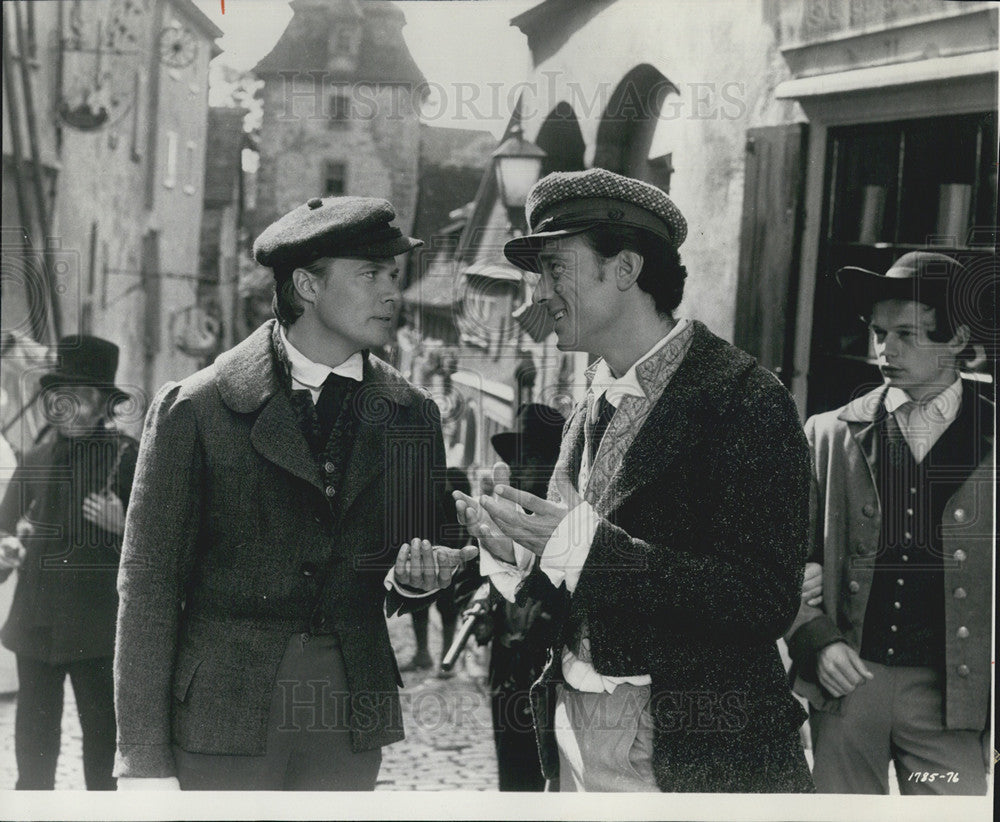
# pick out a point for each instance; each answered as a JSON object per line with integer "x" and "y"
{"x": 847, "y": 519}
{"x": 231, "y": 545}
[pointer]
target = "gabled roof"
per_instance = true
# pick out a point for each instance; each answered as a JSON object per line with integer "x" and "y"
{"x": 383, "y": 57}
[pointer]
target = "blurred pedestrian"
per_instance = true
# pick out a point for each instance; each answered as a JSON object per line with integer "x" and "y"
{"x": 893, "y": 642}
{"x": 62, "y": 520}
{"x": 521, "y": 633}
{"x": 286, "y": 498}
{"x": 446, "y": 602}
{"x": 674, "y": 536}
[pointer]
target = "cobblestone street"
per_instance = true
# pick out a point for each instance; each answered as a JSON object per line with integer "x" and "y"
{"x": 448, "y": 745}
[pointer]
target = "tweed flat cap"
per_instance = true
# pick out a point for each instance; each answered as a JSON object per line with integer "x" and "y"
{"x": 332, "y": 227}
{"x": 569, "y": 202}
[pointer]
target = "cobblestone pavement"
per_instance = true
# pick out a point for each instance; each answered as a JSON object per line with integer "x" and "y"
{"x": 448, "y": 745}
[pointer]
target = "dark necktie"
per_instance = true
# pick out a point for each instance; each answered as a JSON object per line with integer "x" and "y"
{"x": 605, "y": 411}
{"x": 330, "y": 401}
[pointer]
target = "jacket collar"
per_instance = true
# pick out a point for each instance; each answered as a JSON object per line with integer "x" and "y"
{"x": 248, "y": 375}
{"x": 698, "y": 393}
{"x": 867, "y": 408}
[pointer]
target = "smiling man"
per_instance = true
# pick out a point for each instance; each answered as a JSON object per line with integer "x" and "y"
{"x": 896, "y": 662}
{"x": 283, "y": 497}
{"x": 672, "y": 544}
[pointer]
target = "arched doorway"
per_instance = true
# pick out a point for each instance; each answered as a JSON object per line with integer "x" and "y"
{"x": 561, "y": 140}
{"x": 626, "y": 129}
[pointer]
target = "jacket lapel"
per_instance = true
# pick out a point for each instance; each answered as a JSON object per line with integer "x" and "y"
{"x": 248, "y": 381}
{"x": 571, "y": 446}
{"x": 277, "y": 436}
{"x": 682, "y": 416}
{"x": 862, "y": 417}
{"x": 378, "y": 402}
{"x": 367, "y": 461}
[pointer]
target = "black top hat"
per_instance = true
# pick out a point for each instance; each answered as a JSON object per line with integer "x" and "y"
{"x": 922, "y": 276}
{"x": 85, "y": 360}
{"x": 537, "y": 429}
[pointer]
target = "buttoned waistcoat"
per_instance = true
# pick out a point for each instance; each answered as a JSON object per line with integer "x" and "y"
{"x": 695, "y": 572}
{"x": 847, "y": 516}
{"x": 228, "y": 535}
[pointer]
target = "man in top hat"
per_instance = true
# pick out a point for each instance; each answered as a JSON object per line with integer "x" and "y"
{"x": 61, "y": 522}
{"x": 675, "y": 532}
{"x": 280, "y": 493}
{"x": 896, "y": 660}
{"x": 521, "y": 634}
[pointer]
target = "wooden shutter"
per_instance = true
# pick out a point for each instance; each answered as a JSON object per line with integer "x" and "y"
{"x": 770, "y": 235}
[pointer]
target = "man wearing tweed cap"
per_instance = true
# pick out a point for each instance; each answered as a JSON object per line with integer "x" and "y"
{"x": 674, "y": 536}
{"x": 284, "y": 496}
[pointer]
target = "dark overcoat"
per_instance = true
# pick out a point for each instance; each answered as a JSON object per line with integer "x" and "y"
{"x": 231, "y": 545}
{"x": 65, "y": 603}
{"x": 694, "y": 573}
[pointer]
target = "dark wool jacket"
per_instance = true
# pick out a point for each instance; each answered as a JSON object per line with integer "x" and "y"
{"x": 227, "y": 543}
{"x": 65, "y": 603}
{"x": 695, "y": 572}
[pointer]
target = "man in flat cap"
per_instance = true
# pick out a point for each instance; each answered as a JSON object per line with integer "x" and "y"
{"x": 896, "y": 660}
{"x": 675, "y": 532}
{"x": 279, "y": 495}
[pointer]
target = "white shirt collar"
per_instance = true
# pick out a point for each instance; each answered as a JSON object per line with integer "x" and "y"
{"x": 312, "y": 375}
{"x": 943, "y": 406}
{"x": 628, "y": 383}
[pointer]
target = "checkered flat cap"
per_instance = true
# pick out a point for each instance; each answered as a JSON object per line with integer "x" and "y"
{"x": 332, "y": 227}
{"x": 569, "y": 202}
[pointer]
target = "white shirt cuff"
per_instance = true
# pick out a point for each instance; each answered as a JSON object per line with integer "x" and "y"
{"x": 392, "y": 585}
{"x": 506, "y": 578}
{"x": 569, "y": 546}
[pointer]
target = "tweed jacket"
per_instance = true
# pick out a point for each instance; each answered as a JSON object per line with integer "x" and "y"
{"x": 65, "y": 603}
{"x": 847, "y": 517}
{"x": 695, "y": 572}
{"x": 226, "y": 545}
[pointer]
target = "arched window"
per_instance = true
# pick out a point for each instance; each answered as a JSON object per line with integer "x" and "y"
{"x": 561, "y": 140}
{"x": 626, "y": 129}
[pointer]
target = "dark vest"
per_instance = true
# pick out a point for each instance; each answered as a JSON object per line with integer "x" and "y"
{"x": 905, "y": 621}
{"x": 332, "y": 457}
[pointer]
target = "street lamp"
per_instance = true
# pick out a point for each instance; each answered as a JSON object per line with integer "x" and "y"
{"x": 518, "y": 165}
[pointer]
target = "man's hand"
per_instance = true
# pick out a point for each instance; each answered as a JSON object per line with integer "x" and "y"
{"x": 11, "y": 553}
{"x": 105, "y": 511}
{"x": 148, "y": 783}
{"x": 428, "y": 567}
{"x": 812, "y": 585}
{"x": 840, "y": 669}
{"x": 472, "y": 515}
{"x": 527, "y": 519}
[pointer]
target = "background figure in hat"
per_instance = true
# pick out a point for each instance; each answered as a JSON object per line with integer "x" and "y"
{"x": 521, "y": 633}
{"x": 892, "y": 644}
{"x": 675, "y": 533}
{"x": 284, "y": 497}
{"x": 62, "y": 520}
{"x": 448, "y": 601}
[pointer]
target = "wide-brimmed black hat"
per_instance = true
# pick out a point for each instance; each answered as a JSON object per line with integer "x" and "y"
{"x": 927, "y": 277}
{"x": 85, "y": 360}
{"x": 537, "y": 430}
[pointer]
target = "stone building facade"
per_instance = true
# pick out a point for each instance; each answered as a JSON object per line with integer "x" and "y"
{"x": 341, "y": 106}
{"x": 118, "y": 107}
